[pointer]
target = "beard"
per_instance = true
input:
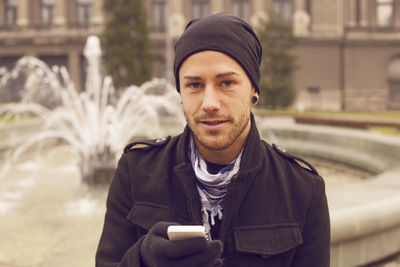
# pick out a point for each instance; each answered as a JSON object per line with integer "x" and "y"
{"x": 219, "y": 139}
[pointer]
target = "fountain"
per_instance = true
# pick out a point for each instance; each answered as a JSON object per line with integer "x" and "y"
{"x": 96, "y": 122}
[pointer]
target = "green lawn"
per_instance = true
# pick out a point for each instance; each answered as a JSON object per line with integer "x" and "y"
{"x": 385, "y": 130}
{"x": 13, "y": 118}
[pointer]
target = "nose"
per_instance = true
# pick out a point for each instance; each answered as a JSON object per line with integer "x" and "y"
{"x": 211, "y": 101}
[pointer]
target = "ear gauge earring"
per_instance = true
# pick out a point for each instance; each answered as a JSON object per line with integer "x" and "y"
{"x": 254, "y": 100}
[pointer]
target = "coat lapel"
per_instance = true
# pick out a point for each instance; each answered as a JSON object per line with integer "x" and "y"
{"x": 240, "y": 185}
{"x": 184, "y": 174}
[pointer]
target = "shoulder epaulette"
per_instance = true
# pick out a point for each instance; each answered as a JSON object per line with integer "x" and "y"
{"x": 283, "y": 153}
{"x": 147, "y": 144}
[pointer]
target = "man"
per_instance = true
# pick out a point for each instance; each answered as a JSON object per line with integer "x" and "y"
{"x": 258, "y": 205}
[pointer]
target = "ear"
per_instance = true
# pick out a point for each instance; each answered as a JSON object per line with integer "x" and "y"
{"x": 255, "y": 92}
{"x": 254, "y": 98}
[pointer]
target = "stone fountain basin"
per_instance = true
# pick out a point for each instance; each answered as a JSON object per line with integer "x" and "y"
{"x": 365, "y": 215}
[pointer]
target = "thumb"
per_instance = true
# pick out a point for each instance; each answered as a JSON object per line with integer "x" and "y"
{"x": 160, "y": 229}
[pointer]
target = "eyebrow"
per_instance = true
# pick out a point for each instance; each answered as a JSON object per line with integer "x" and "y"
{"x": 220, "y": 75}
{"x": 188, "y": 77}
{"x": 226, "y": 74}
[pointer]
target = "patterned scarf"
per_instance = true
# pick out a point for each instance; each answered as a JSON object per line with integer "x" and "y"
{"x": 212, "y": 188}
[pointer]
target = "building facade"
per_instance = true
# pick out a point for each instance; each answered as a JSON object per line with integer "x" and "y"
{"x": 54, "y": 31}
{"x": 348, "y": 56}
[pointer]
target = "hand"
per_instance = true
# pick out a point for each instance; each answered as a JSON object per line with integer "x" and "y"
{"x": 157, "y": 250}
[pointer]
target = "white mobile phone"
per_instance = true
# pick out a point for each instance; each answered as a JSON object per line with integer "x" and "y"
{"x": 179, "y": 232}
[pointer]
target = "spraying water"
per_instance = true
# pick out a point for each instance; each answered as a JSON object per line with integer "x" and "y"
{"x": 97, "y": 122}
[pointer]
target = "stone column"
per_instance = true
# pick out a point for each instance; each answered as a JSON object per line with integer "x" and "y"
{"x": 301, "y": 20}
{"x": 301, "y": 23}
{"x": 268, "y": 5}
{"x": 35, "y": 11}
{"x": 74, "y": 68}
{"x": 59, "y": 12}
{"x": 363, "y": 13}
{"x": 299, "y": 5}
{"x": 351, "y": 13}
{"x": 176, "y": 24}
{"x": 2, "y": 19}
{"x": 23, "y": 13}
{"x": 372, "y": 13}
{"x": 32, "y": 54}
{"x": 176, "y": 6}
{"x": 176, "y": 19}
{"x": 98, "y": 15}
{"x": 340, "y": 23}
{"x": 216, "y": 6}
{"x": 72, "y": 12}
{"x": 259, "y": 13}
{"x": 258, "y": 5}
{"x": 396, "y": 13}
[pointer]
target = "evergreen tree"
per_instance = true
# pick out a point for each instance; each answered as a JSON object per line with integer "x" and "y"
{"x": 278, "y": 63}
{"x": 126, "y": 42}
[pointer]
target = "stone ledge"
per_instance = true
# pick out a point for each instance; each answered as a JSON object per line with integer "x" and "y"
{"x": 366, "y": 146}
{"x": 342, "y": 155}
{"x": 363, "y": 123}
{"x": 362, "y": 219}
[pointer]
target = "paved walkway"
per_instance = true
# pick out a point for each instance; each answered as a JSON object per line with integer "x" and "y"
{"x": 46, "y": 217}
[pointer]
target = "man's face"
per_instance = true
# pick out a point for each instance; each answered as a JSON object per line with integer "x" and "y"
{"x": 216, "y": 96}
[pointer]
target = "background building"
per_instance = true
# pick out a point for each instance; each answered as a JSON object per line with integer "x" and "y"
{"x": 54, "y": 31}
{"x": 348, "y": 56}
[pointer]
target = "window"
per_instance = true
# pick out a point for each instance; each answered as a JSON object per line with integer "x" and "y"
{"x": 10, "y": 10}
{"x": 358, "y": 12}
{"x": 159, "y": 22}
{"x": 242, "y": 9}
{"x": 200, "y": 8}
{"x": 308, "y": 7}
{"x": 394, "y": 90}
{"x": 393, "y": 75}
{"x": 384, "y": 13}
{"x": 46, "y": 11}
{"x": 283, "y": 8}
{"x": 84, "y": 10}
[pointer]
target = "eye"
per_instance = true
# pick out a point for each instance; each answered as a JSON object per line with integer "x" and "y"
{"x": 195, "y": 85}
{"x": 227, "y": 83}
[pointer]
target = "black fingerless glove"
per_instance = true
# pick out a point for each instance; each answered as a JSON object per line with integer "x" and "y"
{"x": 157, "y": 250}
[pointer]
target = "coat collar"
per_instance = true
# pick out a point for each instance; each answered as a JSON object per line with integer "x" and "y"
{"x": 252, "y": 154}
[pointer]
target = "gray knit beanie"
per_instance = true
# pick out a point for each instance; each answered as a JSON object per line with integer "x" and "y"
{"x": 223, "y": 33}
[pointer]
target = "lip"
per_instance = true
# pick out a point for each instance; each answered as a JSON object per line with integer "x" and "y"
{"x": 213, "y": 125}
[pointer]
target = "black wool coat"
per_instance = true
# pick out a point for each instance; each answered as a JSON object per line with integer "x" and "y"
{"x": 275, "y": 211}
